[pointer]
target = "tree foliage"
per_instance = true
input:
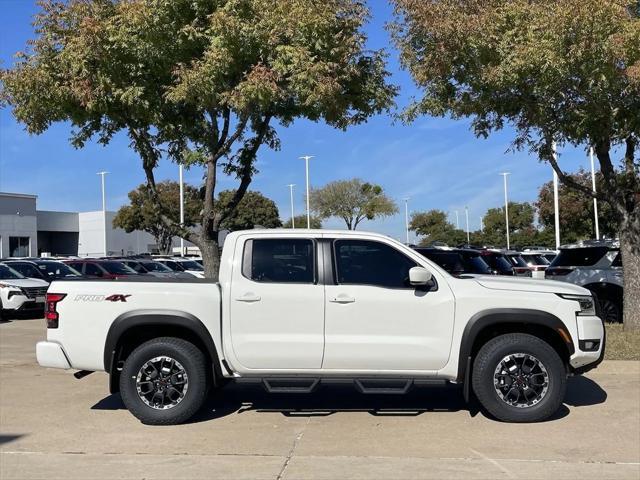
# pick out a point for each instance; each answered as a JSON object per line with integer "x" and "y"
{"x": 204, "y": 82}
{"x": 563, "y": 71}
{"x": 351, "y": 200}
{"x": 576, "y": 211}
{"x": 253, "y": 210}
{"x": 143, "y": 210}
{"x": 434, "y": 227}
{"x": 300, "y": 221}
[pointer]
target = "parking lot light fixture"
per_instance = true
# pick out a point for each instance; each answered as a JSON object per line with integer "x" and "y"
{"x": 104, "y": 211}
{"x": 466, "y": 212}
{"x": 293, "y": 220}
{"x": 406, "y": 217}
{"x": 306, "y": 159}
{"x": 506, "y": 207}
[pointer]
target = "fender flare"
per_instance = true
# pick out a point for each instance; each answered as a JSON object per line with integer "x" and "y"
{"x": 136, "y": 318}
{"x": 497, "y": 316}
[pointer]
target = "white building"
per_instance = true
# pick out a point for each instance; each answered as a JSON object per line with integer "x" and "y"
{"x": 28, "y": 232}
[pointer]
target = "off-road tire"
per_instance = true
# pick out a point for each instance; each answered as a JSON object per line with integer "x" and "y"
{"x": 490, "y": 356}
{"x": 191, "y": 358}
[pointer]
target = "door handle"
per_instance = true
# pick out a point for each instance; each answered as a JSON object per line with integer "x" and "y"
{"x": 249, "y": 297}
{"x": 342, "y": 298}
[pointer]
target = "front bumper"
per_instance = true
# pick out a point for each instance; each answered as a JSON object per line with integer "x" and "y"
{"x": 589, "y": 328}
{"x": 51, "y": 355}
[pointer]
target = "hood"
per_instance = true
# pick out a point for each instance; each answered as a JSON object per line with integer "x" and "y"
{"x": 530, "y": 285}
{"x": 25, "y": 282}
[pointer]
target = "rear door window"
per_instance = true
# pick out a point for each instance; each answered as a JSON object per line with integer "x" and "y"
{"x": 275, "y": 260}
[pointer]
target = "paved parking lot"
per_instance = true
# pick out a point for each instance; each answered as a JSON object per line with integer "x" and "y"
{"x": 54, "y": 426}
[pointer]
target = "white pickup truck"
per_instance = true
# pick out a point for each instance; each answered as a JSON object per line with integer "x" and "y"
{"x": 295, "y": 308}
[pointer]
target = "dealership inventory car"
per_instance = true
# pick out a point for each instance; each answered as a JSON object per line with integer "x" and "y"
{"x": 520, "y": 267}
{"x": 498, "y": 262}
{"x": 19, "y": 293}
{"x": 180, "y": 264}
{"x": 297, "y": 308}
{"x": 154, "y": 268}
{"x": 536, "y": 261}
{"x": 456, "y": 261}
{"x": 596, "y": 266}
{"x": 46, "y": 270}
{"x": 101, "y": 268}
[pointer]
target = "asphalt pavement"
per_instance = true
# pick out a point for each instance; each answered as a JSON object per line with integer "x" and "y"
{"x": 54, "y": 426}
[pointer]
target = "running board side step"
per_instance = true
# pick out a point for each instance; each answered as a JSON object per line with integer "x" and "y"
{"x": 383, "y": 386}
{"x": 290, "y": 385}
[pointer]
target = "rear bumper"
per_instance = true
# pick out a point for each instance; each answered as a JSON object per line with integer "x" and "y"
{"x": 51, "y": 355}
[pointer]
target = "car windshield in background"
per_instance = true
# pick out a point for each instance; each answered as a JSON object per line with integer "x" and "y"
{"x": 57, "y": 269}
{"x": 156, "y": 267}
{"x": 8, "y": 273}
{"x": 475, "y": 263}
{"x": 498, "y": 262}
{"x": 191, "y": 265}
{"x": 452, "y": 262}
{"x": 117, "y": 268}
{"x": 535, "y": 259}
{"x": 517, "y": 261}
{"x": 579, "y": 257}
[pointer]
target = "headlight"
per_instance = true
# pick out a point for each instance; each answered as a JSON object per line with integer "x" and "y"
{"x": 587, "y": 306}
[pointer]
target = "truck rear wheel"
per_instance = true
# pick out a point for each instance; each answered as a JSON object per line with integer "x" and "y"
{"x": 519, "y": 378}
{"x": 164, "y": 381}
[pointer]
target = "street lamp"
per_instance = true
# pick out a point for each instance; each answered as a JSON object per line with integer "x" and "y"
{"x": 406, "y": 217}
{"x": 466, "y": 212}
{"x": 595, "y": 201}
{"x": 293, "y": 221}
{"x": 556, "y": 206}
{"x": 181, "y": 208}
{"x": 104, "y": 211}
{"x": 457, "y": 221}
{"x": 306, "y": 159}
{"x": 506, "y": 206}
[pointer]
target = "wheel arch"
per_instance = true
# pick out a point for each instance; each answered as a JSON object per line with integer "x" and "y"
{"x": 488, "y": 324}
{"x": 606, "y": 290}
{"x": 135, "y": 327}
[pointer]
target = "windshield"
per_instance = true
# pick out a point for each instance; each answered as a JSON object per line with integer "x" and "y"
{"x": 117, "y": 268}
{"x": 57, "y": 269}
{"x": 156, "y": 267}
{"x": 8, "y": 273}
{"x": 517, "y": 261}
{"x": 475, "y": 263}
{"x": 191, "y": 265}
{"x": 579, "y": 257}
{"x": 536, "y": 259}
{"x": 498, "y": 262}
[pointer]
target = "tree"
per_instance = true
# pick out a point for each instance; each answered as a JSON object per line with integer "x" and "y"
{"x": 202, "y": 82}
{"x": 521, "y": 229}
{"x": 253, "y": 210}
{"x": 577, "y": 83}
{"x": 300, "y": 221}
{"x": 434, "y": 227}
{"x": 143, "y": 212}
{"x": 576, "y": 211}
{"x": 352, "y": 200}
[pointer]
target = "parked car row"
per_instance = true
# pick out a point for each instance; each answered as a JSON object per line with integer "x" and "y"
{"x": 24, "y": 281}
{"x": 595, "y": 265}
{"x": 483, "y": 261}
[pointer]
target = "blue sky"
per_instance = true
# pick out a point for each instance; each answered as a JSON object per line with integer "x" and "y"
{"x": 437, "y": 162}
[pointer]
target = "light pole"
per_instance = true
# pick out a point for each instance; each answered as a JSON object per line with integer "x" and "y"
{"x": 181, "y": 209}
{"x": 293, "y": 221}
{"x": 556, "y": 206}
{"x": 506, "y": 207}
{"x": 104, "y": 211}
{"x": 481, "y": 223}
{"x": 466, "y": 212}
{"x": 306, "y": 159}
{"x": 457, "y": 221}
{"x": 595, "y": 202}
{"x": 406, "y": 217}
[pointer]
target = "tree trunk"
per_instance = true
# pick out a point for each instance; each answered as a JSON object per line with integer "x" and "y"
{"x": 210, "y": 251}
{"x": 630, "y": 250}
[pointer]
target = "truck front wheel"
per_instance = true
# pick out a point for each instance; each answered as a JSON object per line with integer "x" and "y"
{"x": 164, "y": 381}
{"x": 519, "y": 378}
